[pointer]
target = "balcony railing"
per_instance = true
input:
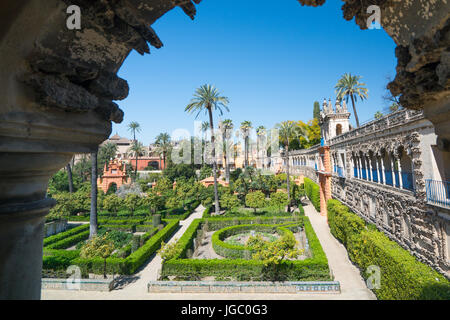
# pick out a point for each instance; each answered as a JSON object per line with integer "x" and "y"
{"x": 407, "y": 177}
{"x": 438, "y": 192}
{"x": 340, "y": 172}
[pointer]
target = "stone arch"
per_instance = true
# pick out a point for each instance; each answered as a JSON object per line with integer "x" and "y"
{"x": 49, "y": 72}
{"x": 112, "y": 187}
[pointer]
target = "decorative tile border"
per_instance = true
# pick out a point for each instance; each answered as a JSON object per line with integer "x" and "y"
{"x": 332, "y": 287}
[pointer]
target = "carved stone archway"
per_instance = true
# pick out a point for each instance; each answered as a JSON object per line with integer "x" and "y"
{"x": 58, "y": 87}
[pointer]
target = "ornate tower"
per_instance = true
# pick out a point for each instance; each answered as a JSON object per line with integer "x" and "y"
{"x": 333, "y": 121}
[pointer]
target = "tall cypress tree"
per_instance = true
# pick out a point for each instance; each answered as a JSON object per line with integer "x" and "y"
{"x": 316, "y": 113}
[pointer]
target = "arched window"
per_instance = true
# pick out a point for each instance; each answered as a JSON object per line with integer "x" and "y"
{"x": 338, "y": 129}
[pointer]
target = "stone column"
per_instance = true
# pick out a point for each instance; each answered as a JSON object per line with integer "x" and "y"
{"x": 378, "y": 169}
{"x": 325, "y": 179}
{"x": 369, "y": 176}
{"x": 393, "y": 170}
{"x": 359, "y": 168}
{"x": 22, "y": 216}
{"x": 383, "y": 170}
{"x": 400, "y": 178}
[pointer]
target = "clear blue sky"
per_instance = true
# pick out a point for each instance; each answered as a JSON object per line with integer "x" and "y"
{"x": 272, "y": 61}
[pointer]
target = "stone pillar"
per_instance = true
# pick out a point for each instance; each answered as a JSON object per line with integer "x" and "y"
{"x": 325, "y": 179}
{"x": 369, "y": 175}
{"x": 393, "y": 170}
{"x": 400, "y": 178}
{"x": 378, "y": 169}
{"x": 383, "y": 170}
{"x": 359, "y": 168}
{"x": 22, "y": 217}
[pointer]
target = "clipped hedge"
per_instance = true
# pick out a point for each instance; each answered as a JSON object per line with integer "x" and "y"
{"x": 63, "y": 235}
{"x": 207, "y": 212}
{"x": 141, "y": 214}
{"x": 403, "y": 277}
{"x": 312, "y": 191}
{"x": 231, "y": 251}
{"x": 69, "y": 241}
{"x": 61, "y": 259}
{"x": 314, "y": 268}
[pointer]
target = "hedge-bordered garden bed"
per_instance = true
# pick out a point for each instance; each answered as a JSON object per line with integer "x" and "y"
{"x": 232, "y": 251}
{"x": 314, "y": 268}
{"x": 56, "y": 258}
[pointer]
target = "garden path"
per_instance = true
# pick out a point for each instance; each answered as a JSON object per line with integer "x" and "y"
{"x": 353, "y": 285}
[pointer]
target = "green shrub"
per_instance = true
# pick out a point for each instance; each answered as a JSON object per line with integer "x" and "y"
{"x": 207, "y": 212}
{"x": 279, "y": 200}
{"x": 62, "y": 235}
{"x": 403, "y": 277}
{"x": 231, "y": 251}
{"x": 69, "y": 241}
{"x": 312, "y": 191}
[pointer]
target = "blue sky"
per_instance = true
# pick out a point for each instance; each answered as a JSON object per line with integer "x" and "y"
{"x": 271, "y": 61}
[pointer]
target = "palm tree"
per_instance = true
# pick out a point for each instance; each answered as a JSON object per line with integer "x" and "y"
{"x": 226, "y": 126}
{"x": 289, "y": 131}
{"x": 246, "y": 126}
{"x": 350, "y": 87}
{"x": 134, "y": 127}
{"x": 207, "y": 98}
{"x": 136, "y": 148}
{"x": 163, "y": 143}
{"x": 261, "y": 133}
{"x": 93, "y": 226}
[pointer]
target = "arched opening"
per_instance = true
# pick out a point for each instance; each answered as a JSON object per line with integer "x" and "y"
{"x": 67, "y": 101}
{"x": 112, "y": 188}
{"x": 338, "y": 129}
{"x": 405, "y": 170}
{"x": 153, "y": 165}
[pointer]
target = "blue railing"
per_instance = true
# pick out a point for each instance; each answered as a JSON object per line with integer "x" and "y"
{"x": 364, "y": 173}
{"x": 340, "y": 172}
{"x": 388, "y": 175}
{"x": 407, "y": 180}
{"x": 355, "y": 172}
{"x": 438, "y": 192}
{"x": 374, "y": 175}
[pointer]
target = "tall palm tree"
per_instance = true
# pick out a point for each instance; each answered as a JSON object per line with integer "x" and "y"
{"x": 288, "y": 131}
{"x": 226, "y": 126}
{"x": 134, "y": 127}
{"x": 206, "y": 98}
{"x": 93, "y": 223}
{"x": 261, "y": 133}
{"x": 136, "y": 148}
{"x": 246, "y": 126}
{"x": 350, "y": 87}
{"x": 164, "y": 144}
